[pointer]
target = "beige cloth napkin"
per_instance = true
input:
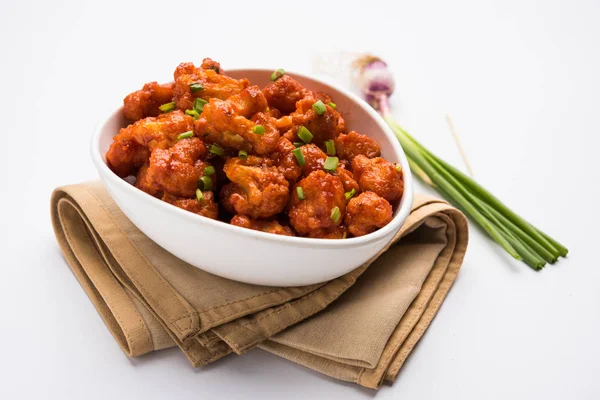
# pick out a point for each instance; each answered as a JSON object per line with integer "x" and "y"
{"x": 360, "y": 327}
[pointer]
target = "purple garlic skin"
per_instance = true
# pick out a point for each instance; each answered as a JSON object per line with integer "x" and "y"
{"x": 376, "y": 80}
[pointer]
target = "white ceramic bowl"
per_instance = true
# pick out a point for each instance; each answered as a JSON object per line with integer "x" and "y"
{"x": 247, "y": 255}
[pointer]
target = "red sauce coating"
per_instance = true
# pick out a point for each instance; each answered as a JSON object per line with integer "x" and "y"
{"x": 244, "y": 139}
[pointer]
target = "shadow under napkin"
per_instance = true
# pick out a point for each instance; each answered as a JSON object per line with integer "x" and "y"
{"x": 151, "y": 300}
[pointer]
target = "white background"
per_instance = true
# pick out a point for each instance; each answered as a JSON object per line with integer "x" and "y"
{"x": 521, "y": 80}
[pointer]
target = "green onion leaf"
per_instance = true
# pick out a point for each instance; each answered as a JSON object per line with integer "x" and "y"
{"x": 332, "y": 105}
{"x": 210, "y": 170}
{"x": 299, "y": 156}
{"x": 398, "y": 168}
{"x": 350, "y": 194}
{"x": 298, "y": 144}
{"x": 216, "y": 150}
{"x": 243, "y": 154}
{"x": 304, "y": 134}
{"x": 205, "y": 183}
{"x": 195, "y": 87}
{"x": 199, "y": 196}
{"x": 278, "y": 73}
{"x": 192, "y": 113}
{"x": 186, "y": 135}
{"x": 335, "y": 215}
{"x": 168, "y": 107}
{"x": 330, "y": 146}
{"x": 300, "y": 192}
{"x": 258, "y": 129}
{"x": 319, "y": 107}
{"x": 331, "y": 164}
{"x": 199, "y": 105}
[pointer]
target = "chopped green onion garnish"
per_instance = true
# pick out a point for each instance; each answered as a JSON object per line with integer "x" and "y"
{"x": 319, "y": 107}
{"x": 330, "y": 147}
{"x": 332, "y": 105}
{"x": 335, "y": 214}
{"x": 205, "y": 183}
{"x": 267, "y": 109}
{"x": 331, "y": 164}
{"x": 278, "y": 73}
{"x": 300, "y": 192}
{"x": 298, "y": 144}
{"x": 194, "y": 87}
{"x": 349, "y": 194}
{"x": 168, "y": 107}
{"x": 199, "y": 105}
{"x": 243, "y": 154}
{"x": 216, "y": 150}
{"x": 258, "y": 129}
{"x": 186, "y": 135}
{"x": 210, "y": 170}
{"x": 192, "y": 113}
{"x": 344, "y": 235}
{"x": 199, "y": 196}
{"x": 304, "y": 134}
{"x": 398, "y": 168}
{"x": 299, "y": 156}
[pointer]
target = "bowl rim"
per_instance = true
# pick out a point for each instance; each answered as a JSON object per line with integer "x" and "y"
{"x": 393, "y": 226}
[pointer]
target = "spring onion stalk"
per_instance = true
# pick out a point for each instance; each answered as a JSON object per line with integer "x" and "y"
{"x": 335, "y": 215}
{"x": 350, "y": 194}
{"x": 331, "y": 164}
{"x": 299, "y": 157}
{"x": 185, "y": 135}
{"x": 319, "y": 107}
{"x": 330, "y": 147}
{"x": 518, "y": 237}
{"x": 304, "y": 134}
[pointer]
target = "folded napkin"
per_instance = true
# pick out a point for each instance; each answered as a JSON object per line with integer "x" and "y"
{"x": 360, "y": 327}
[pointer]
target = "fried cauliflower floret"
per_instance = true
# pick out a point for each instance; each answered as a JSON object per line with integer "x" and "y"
{"x": 125, "y": 156}
{"x": 338, "y": 232}
{"x": 367, "y": 213}
{"x": 131, "y": 146}
{"x": 350, "y": 145}
{"x": 266, "y": 142}
{"x": 175, "y": 170}
{"x": 145, "y": 102}
{"x": 207, "y": 207}
{"x": 142, "y": 182}
{"x": 283, "y": 93}
{"x": 248, "y": 102}
{"x": 285, "y": 160}
{"x": 261, "y": 225}
{"x": 378, "y": 175}
{"x": 322, "y": 193}
{"x": 214, "y": 84}
{"x": 323, "y": 127}
{"x": 228, "y": 123}
{"x": 208, "y": 63}
{"x": 255, "y": 191}
{"x": 347, "y": 179}
{"x": 314, "y": 159}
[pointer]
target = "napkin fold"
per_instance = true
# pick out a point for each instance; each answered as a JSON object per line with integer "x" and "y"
{"x": 360, "y": 327}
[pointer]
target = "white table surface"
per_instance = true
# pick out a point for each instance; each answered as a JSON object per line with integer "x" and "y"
{"x": 521, "y": 81}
